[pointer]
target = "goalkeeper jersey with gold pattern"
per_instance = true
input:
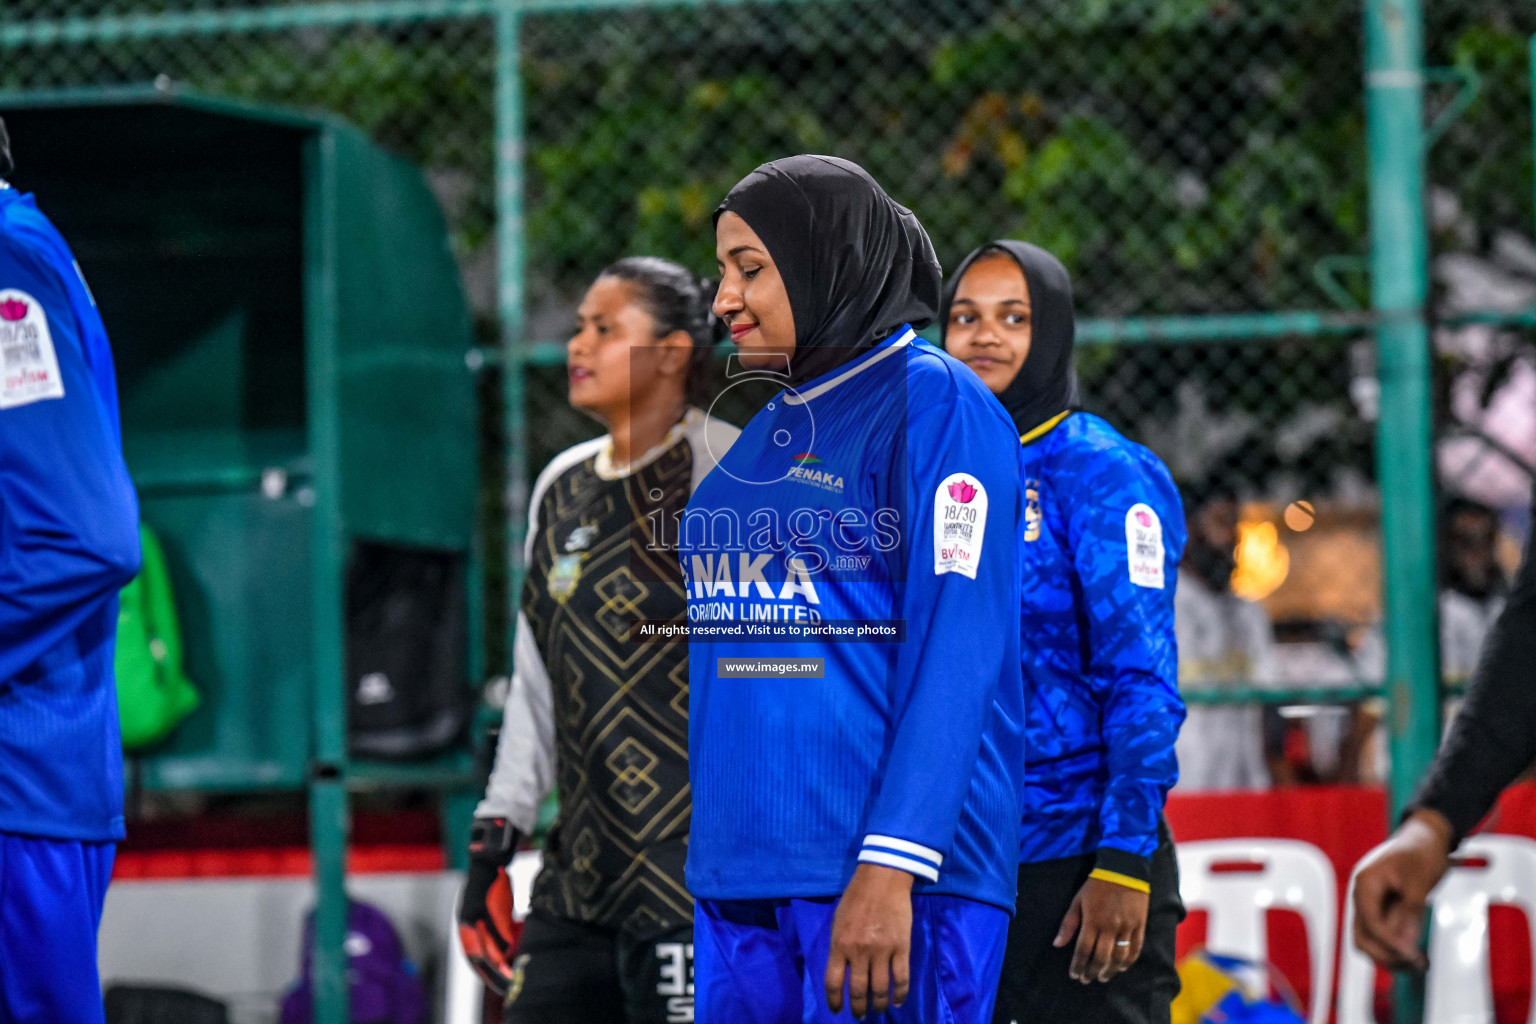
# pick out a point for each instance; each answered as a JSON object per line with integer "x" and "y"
{"x": 603, "y": 718}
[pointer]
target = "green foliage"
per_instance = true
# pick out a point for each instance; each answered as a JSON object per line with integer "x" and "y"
{"x": 1177, "y": 156}
{"x": 1485, "y": 158}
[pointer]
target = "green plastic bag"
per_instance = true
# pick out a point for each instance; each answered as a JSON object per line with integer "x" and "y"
{"x": 153, "y": 693}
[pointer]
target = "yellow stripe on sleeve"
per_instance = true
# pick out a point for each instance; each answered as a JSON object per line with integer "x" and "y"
{"x": 1119, "y": 879}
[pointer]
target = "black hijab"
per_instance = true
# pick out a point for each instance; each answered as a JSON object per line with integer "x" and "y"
{"x": 1047, "y": 382}
{"x": 856, "y": 263}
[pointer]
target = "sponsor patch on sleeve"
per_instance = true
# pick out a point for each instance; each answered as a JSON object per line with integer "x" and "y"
{"x": 959, "y": 520}
{"x": 29, "y": 367}
{"x": 1144, "y": 546}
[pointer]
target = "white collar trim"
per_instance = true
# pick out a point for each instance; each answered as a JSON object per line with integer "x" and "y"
{"x": 606, "y": 470}
{"x": 882, "y": 350}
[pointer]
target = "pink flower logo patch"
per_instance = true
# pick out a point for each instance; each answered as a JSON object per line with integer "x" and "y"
{"x": 962, "y": 491}
{"x": 1143, "y": 517}
{"x": 12, "y": 309}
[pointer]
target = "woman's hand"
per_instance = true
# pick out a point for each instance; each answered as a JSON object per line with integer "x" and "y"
{"x": 1392, "y": 886}
{"x": 871, "y": 940}
{"x": 1110, "y": 922}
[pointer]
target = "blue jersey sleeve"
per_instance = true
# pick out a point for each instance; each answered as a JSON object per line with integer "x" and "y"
{"x": 1126, "y": 534}
{"x": 68, "y": 515}
{"x": 960, "y": 601}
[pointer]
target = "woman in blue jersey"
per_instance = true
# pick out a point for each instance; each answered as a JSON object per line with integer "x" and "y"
{"x": 1093, "y": 939}
{"x": 69, "y": 542}
{"x": 853, "y": 589}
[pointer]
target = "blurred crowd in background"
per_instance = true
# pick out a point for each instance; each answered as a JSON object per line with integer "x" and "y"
{"x": 1289, "y": 599}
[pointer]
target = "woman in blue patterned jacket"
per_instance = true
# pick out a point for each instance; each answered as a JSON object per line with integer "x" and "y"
{"x": 1093, "y": 938}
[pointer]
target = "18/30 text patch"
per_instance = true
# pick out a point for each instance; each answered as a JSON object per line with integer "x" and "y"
{"x": 1144, "y": 546}
{"x": 29, "y": 367}
{"x": 959, "y": 521}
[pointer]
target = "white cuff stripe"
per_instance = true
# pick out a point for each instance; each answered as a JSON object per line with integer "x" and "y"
{"x": 896, "y": 860}
{"x": 934, "y": 857}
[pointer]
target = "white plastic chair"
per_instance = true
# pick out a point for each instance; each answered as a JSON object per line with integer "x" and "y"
{"x": 463, "y": 992}
{"x": 1357, "y": 974}
{"x": 524, "y": 869}
{"x": 1459, "y": 989}
{"x": 1285, "y": 875}
{"x": 463, "y": 995}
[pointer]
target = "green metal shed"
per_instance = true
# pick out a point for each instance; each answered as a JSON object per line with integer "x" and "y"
{"x": 296, "y": 366}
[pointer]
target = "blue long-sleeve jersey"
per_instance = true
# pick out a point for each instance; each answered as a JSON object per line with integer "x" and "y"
{"x": 68, "y": 541}
{"x": 1103, "y": 537}
{"x": 885, "y": 492}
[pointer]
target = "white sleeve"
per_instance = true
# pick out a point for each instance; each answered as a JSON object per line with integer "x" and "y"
{"x": 524, "y": 772}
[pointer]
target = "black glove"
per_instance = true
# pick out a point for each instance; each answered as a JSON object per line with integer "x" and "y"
{"x": 485, "y": 905}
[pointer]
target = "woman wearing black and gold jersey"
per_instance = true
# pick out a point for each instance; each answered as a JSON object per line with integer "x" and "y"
{"x": 604, "y": 719}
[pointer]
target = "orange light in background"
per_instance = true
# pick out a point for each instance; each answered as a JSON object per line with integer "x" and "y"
{"x": 1335, "y": 564}
{"x": 1300, "y": 515}
{"x": 1262, "y": 561}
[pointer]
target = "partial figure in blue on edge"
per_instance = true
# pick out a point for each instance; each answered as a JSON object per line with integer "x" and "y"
{"x": 69, "y": 541}
{"x": 1104, "y": 531}
{"x": 855, "y": 827}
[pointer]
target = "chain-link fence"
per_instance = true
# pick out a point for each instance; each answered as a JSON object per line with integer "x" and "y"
{"x": 1201, "y": 166}
{"x": 1196, "y": 158}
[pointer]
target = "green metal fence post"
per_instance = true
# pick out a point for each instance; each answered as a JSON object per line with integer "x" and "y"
{"x": 1399, "y": 286}
{"x": 509, "y": 248}
{"x": 328, "y": 724}
{"x": 1394, "y": 80}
